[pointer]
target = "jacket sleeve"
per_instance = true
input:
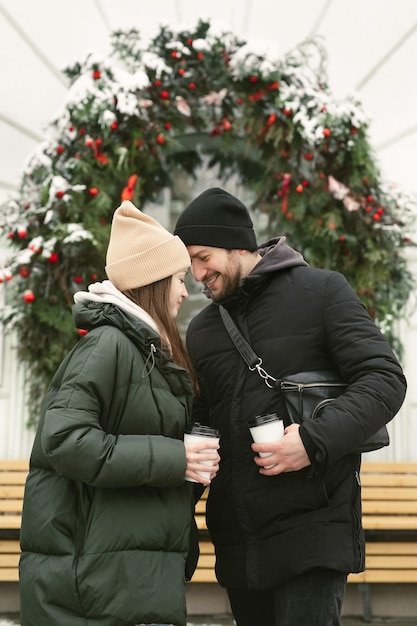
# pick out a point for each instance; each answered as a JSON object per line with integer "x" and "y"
{"x": 74, "y": 439}
{"x": 365, "y": 360}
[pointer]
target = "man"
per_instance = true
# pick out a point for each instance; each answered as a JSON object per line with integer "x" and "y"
{"x": 285, "y": 537}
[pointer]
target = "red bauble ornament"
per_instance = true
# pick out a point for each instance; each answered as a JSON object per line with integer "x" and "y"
{"x": 10, "y": 236}
{"x": 81, "y": 131}
{"x": 60, "y": 149}
{"x": 60, "y": 194}
{"x": 160, "y": 139}
{"x": 167, "y": 126}
{"x": 28, "y": 296}
{"x": 191, "y": 86}
{"x": 89, "y": 142}
{"x": 308, "y": 157}
{"x": 287, "y": 112}
{"x": 200, "y": 56}
{"x": 96, "y": 74}
{"x": 22, "y": 233}
{"x": 299, "y": 189}
{"x": 53, "y": 258}
{"x": 78, "y": 279}
{"x": 93, "y": 191}
{"x": 164, "y": 94}
{"x": 253, "y": 79}
{"x": 327, "y": 132}
{"x": 114, "y": 126}
{"x": 24, "y": 272}
{"x": 157, "y": 83}
{"x": 189, "y": 41}
{"x": 175, "y": 54}
{"x": 181, "y": 71}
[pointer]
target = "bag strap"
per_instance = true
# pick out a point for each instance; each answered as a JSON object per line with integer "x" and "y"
{"x": 252, "y": 360}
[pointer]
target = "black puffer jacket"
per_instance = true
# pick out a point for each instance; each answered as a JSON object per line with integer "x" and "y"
{"x": 268, "y": 529}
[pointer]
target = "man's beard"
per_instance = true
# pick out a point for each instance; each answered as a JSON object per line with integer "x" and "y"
{"x": 231, "y": 283}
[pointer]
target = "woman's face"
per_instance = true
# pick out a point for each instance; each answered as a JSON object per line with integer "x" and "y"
{"x": 177, "y": 292}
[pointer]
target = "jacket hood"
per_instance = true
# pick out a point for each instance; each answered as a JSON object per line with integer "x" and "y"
{"x": 277, "y": 255}
{"x": 106, "y": 292}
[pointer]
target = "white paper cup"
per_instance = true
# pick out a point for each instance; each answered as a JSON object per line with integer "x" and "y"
{"x": 194, "y": 436}
{"x": 265, "y": 429}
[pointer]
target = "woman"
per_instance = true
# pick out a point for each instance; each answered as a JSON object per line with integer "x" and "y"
{"x": 107, "y": 511}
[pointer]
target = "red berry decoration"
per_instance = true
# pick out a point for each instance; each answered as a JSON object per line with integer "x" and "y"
{"x": 308, "y": 157}
{"x": 164, "y": 94}
{"x": 22, "y": 233}
{"x": 191, "y": 86}
{"x": 78, "y": 279}
{"x": 24, "y": 272}
{"x": 82, "y": 332}
{"x": 181, "y": 71}
{"x": 93, "y": 191}
{"x": 60, "y": 149}
{"x": 200, "y": 56}
{"x": 96, "y": 74}
{"x": 327, "y": 132}
{"x": 114, "y": 126}
{"x": 299, "y": 189}
{"x": 28, "y": 296}
{"x": 160, "y": 139}
{"x": 253, "y": 79}
{"x": 60, "y": 194}
{"x": 53, "y": 258}
{"x": 167, "y": 126}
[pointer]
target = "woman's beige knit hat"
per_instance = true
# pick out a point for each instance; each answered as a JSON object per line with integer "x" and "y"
{"x": 141, "y": 251}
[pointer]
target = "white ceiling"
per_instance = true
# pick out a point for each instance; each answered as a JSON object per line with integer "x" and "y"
{"x": 371, "y": 46}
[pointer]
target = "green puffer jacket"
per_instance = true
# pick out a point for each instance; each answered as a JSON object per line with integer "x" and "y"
{"x": 107, "y": 514}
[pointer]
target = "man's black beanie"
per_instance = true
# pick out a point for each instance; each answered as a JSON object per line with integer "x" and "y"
{"x": 217, "y": 219}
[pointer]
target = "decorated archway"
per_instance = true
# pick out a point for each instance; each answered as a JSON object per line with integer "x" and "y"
{"x": 132, "y": 123}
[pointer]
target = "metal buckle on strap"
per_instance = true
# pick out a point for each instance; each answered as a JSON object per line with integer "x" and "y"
{"x": 267, "y": 378}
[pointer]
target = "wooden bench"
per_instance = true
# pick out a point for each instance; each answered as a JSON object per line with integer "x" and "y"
{"x": 12, "y": 481}
{"x": 389, "y": 501}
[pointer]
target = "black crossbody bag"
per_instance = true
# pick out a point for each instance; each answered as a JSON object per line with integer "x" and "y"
{"x": 305, "y": 394}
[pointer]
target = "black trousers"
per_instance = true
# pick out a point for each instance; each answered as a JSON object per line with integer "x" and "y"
{"x": 311, "y": 599}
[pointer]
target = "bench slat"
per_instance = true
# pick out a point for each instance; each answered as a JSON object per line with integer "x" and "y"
{"x": 389, "y": 522}
{"x": 391, "y": 507}
{"x": 384, "y": 576}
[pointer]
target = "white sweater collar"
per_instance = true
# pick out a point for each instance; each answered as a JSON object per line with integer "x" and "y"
{"x": 107, "y": 292}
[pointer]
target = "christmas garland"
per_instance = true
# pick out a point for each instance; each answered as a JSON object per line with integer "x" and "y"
{"x": 133, "y": 121}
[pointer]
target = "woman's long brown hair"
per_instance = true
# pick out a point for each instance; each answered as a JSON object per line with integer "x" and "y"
{"x": 154, "y": 299}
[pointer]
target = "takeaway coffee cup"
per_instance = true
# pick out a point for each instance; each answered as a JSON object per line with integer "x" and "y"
{"x": 266, "y": 428}
{"x": 196, "y": 432}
